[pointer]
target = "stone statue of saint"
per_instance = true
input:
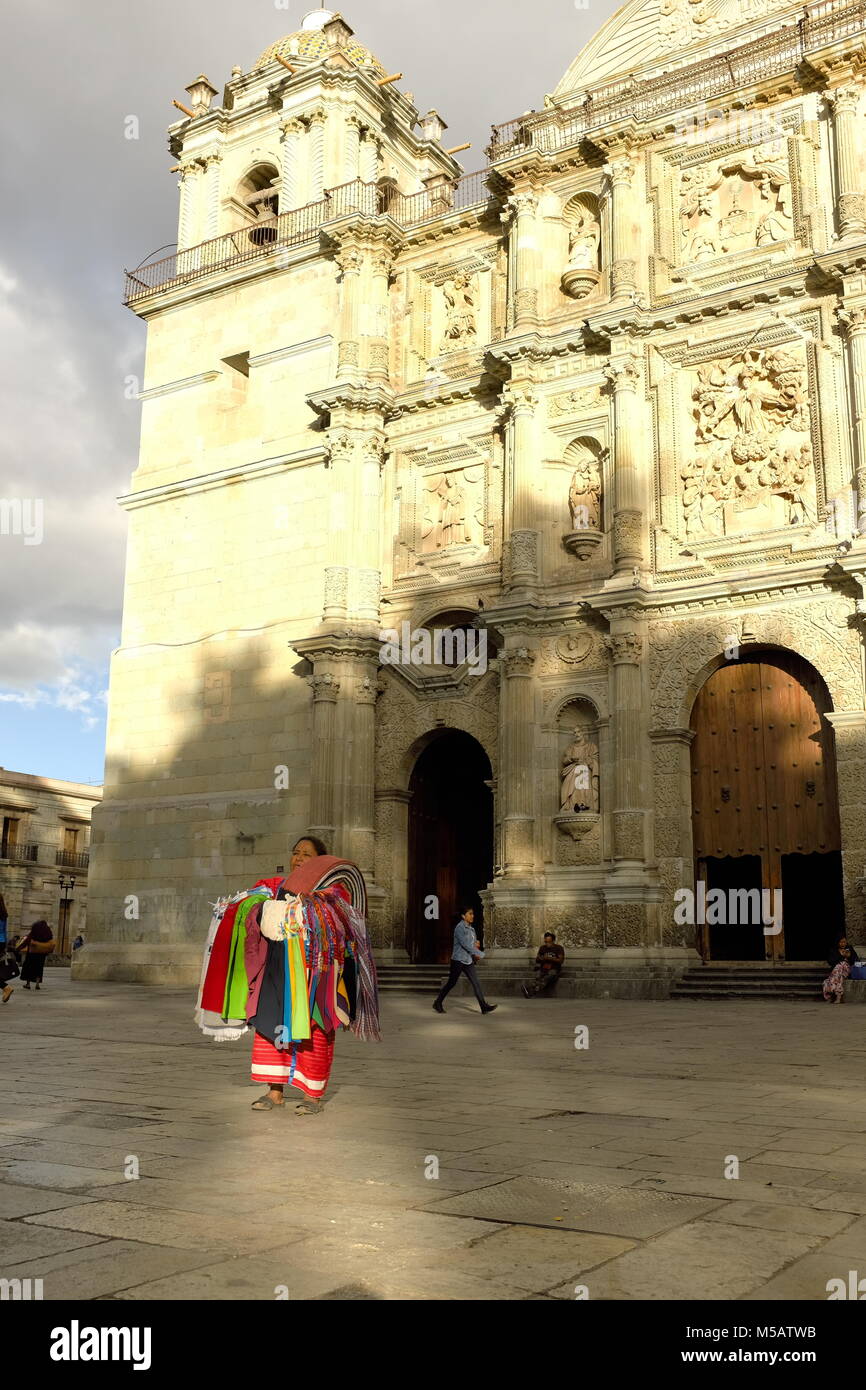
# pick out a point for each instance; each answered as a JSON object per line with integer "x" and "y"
{"x": 448, "y": 523}
{"x": 461, "y": 309}
{"x": 579, "y": 773}
{"x": 584, "y": 496}
{"x": 583, "y": 243}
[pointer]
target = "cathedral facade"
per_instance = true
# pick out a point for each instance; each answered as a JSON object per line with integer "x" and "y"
{"x": 507, "y": 531}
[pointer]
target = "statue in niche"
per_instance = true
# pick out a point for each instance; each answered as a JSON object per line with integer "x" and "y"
{"x": 579, "y": 774}
{"x": 584, "y": 496}
{"x": 461, "y": 310}
{"x": 582, "y": 275}
{"x": 583, "y": 242}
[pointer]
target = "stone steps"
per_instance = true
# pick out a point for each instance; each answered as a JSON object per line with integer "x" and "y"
{"x": 736, "y": 980}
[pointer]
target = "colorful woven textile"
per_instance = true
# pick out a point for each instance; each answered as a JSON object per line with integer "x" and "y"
{"x": 318, "y": 915}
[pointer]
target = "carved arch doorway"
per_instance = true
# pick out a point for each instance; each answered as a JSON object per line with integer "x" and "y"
{"x": 450, "y": 842}
{"x": 765, "y": 809}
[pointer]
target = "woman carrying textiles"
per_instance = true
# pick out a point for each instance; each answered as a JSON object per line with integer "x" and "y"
{"x": 291, "y": 960}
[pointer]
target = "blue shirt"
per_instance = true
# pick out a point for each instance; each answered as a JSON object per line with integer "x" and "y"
{"x": 464, "y": 944}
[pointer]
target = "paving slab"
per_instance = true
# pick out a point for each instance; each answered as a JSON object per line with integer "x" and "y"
{"x": 577, "y": 1206}
{"x": 702, "y": 1260}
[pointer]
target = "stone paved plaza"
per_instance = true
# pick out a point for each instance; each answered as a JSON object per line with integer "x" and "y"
{"x": 558, "y": 1167}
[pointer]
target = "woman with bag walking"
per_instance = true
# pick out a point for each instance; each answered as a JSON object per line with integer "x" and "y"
{"x": 37, "y": 944}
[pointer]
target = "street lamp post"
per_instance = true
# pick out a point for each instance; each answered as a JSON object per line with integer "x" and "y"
{"x": 67, "y": 888}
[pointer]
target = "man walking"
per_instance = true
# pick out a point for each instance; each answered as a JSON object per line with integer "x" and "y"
{"x": 464, "y": 954}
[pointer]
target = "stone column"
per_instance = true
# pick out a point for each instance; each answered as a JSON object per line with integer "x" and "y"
{"x": 349, "y": 260}
{"x": 381, "y": 265}
{"x": 629, "y": 485}
{"x": 369, "y": 157}
{"x": 325, "y": 688}
{"x": 626, "y": 650}
{"x": 189, "y": 184}
{"x": 353, "y": 149}
{"x": 523, "y": 207}
{"x": 849, "y": 728}
{"x": 392, "y": 861}
{"x": 624, "y": 232}
{"x": 672, "y": 805}
{"x": 212, "y": 197}
{"x": 317, "y": 156}
{"x": 292, "y": 137}
{"x": 853, "y": 320}
{"x": 850, "y": 208}
{"x": 523, "y": 540}
{"x": 517, "y": 776}
{"x": 362, "y": 810}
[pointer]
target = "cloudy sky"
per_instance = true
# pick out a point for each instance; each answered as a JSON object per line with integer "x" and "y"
{"x": 80, "y": 201}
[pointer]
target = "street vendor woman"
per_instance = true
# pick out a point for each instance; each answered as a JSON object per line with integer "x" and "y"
{"x": 290, "y": 959}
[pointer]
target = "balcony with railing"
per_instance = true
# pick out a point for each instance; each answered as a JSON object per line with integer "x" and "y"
{"x": 19, "y": 854}
{"x": 290, "y": 229}
{"x": 72, "y": 859}
{"x": 712, "y": 78}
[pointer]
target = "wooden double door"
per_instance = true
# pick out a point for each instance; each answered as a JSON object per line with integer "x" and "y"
{"x": 765, "y": 811}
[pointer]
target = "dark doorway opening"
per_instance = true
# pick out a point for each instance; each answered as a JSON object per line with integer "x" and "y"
{"x": 734, "y": 940}
{"x": 450, "y": 843}
{"x": 813, "y": 904}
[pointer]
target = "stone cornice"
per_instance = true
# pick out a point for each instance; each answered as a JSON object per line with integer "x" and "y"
{"x": 375, "y": 399}
{"x": 206, "y": 481}
{"x": 338, "y": 646}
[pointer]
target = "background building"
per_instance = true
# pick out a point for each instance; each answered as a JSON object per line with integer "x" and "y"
{"x": 45, "y": 853}
{"x": 603, "y": 402}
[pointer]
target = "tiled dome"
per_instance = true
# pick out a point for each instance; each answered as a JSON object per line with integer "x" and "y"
{"x": 310, "y": 45}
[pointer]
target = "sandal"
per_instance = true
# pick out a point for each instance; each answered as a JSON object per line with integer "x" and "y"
{"x": 265, "y": 1103}
{"x": 308, "y": 1108}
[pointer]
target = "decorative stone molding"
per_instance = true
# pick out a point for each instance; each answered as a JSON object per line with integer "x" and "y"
{"x": 622, "y": 274}
{"x": 583, "y": 544}
{"x": 336, "y": 591}
{"x": 685, "y": 653}
{"x": 369, "y": 690}
{"x": 628, "y": 534}
{"x": 623, "y": 373}
{"x": 575, "y": 401}
{"x": 324, "y": 687}
{"x": 526, "y": 303}
{"x": 523, "y": 558}
{"x": 574, "y": 648}
{"x": 520, "y": 205}
{"x": 624, "y": 648}
{"x": 519, "y": 662}
{"x": 578, "y": 824}
{"x": 628, "y": 834}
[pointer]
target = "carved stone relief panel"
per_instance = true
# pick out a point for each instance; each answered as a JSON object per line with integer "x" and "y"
{"x": 449, "y": 508}
{"x": 452, "y": 309}
{"x": 734, "y": 192}
{"x": 747, "y": 461}
{"x": 735, "y": 203}
{"x": 453, "y": 503}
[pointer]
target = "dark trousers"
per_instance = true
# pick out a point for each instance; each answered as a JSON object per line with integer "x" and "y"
{"x": 543, "y": 980}
{"x": 458, "y": 969}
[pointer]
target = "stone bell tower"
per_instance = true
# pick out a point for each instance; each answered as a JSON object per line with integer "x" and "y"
{"x": 243, "y": 693}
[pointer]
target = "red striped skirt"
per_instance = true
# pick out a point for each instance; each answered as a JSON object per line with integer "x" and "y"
{"x": 306, "y": 1065}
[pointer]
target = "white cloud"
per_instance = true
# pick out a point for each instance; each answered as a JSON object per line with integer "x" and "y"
{"x": 68, "y": 439}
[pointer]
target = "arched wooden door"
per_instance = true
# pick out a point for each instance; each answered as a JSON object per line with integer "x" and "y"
{"x": 765, "y": 809}
{"x": 450, "y": 842}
